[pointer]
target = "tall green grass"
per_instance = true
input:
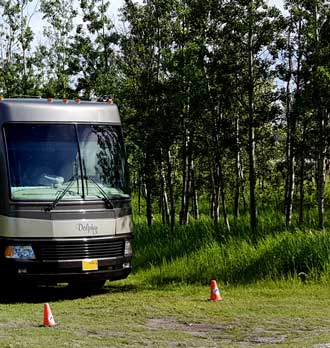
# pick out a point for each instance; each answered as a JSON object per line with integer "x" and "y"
{"x": 201, "y": 250}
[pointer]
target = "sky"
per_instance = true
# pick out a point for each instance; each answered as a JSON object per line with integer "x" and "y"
{"x": 277, "y": 3}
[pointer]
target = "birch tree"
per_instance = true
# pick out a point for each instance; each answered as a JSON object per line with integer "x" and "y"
{"x": 15, "y": 47}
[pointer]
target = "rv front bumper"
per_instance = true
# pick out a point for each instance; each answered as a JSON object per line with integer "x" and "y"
{"x": 51, "y": 272}
{"x": 49, "y": 261}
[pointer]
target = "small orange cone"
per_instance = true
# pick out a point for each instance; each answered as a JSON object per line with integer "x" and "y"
{"x": 215, "y": 292}
{"x": 48, "y": 316}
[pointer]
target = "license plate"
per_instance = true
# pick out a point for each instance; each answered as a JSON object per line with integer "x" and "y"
{"x": 90, "y": 265}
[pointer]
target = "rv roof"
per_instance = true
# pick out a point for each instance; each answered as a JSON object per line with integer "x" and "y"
{"x": 49, "y": 110}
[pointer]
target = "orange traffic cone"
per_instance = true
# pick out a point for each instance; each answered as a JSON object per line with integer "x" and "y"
{"x": 215, "y": 292}
{"x": 48, "y": 316}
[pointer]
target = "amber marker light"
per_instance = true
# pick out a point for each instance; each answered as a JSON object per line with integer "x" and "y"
{"x": 78, "y": 100}
{"x": 9, "y": 251}
{"x": 1, "y": 98}
{"x": 65, "y": 100}
{"x": 50, "y": 100}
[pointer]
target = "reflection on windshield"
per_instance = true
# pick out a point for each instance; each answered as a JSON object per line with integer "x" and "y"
{"x": 43, "y": 158}
{"x": 103, "y": 157}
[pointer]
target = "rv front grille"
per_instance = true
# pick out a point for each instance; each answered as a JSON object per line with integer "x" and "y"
{"x": 76, "y": 250}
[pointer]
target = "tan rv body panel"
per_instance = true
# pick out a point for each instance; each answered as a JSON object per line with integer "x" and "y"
{"x": 37, "y": 228}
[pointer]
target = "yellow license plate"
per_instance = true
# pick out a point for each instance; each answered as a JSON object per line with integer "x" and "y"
{"x": 90, "y": 265}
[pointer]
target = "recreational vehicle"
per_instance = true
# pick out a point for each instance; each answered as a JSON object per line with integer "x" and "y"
{"x": 65, "y": 206}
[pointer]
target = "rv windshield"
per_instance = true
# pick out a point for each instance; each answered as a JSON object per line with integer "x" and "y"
{"x": 44, "y": 158}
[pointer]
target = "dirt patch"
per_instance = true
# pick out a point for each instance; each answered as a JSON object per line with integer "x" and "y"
{"x": 17, "y": 324}
{"x": 268, "y": 340}
{"x": 217, "y": 332}
{"x": 193, "y": 328}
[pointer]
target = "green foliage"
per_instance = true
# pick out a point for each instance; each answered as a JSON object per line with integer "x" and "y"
{"x": 16, "y": 72}
{"x": 93, "y": 51}
{"x": 200, "y": 251}
{"x": 54, "y": 55}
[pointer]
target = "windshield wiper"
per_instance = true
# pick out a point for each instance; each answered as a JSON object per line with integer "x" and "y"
{"x": 61, "y": 194}
{"x": 105, "y": 196}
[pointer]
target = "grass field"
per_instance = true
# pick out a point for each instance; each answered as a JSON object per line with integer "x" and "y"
{"x": 200, "y": 251}
{"x": 131, "y": 314}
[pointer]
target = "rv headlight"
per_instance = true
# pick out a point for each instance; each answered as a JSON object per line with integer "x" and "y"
{"x": 23, "y": 252}
{"x": 128, "y": 248}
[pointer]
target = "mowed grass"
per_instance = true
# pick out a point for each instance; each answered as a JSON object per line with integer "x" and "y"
{"x": 132, "y": 314}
